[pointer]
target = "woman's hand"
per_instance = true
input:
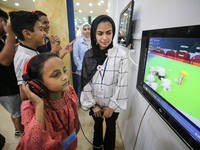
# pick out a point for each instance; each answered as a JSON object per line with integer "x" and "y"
{"x": 107, "y": 112}
{"x": 97, "y": 111}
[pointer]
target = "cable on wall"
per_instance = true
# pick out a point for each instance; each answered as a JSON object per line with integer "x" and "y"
{"x": 140, "y": 126}
{"x": 131, "y": 58}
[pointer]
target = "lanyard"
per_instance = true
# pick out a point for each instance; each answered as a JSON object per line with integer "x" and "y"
{"x": 102, "y": 76}
{"x": 59, "y": 116}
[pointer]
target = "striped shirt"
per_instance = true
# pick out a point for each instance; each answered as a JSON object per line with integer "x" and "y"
{"x": 112, "y": 77}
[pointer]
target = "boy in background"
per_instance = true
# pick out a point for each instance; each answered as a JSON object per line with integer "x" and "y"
{"x": 52, "y": 45}
{"x": 28, "y": 29}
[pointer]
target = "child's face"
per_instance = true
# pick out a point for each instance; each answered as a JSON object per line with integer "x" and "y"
{"x": 104, "y": 34}
{"x": 45, "y": 24}
{"x": 54, "y": 75}
{"x": 38, "y": 36}
{"x": 86, "y": 31}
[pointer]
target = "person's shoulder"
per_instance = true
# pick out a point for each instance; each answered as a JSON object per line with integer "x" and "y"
{"x": 22, "y": 53}
{"x": 89, "y": 52}
{"x": 119, "y": 51}
{"x": 79, "y": 40}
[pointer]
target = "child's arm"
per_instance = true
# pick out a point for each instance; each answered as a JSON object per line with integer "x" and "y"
{"x": 7, "y": 54}
{"x": 67, "y": 49}
{"x": 37, "y": 102}
{"x": 22, "y": 93}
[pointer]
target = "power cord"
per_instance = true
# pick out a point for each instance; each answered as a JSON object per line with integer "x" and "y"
{"x": 82, "y": 128}
{"x": 131, "y": 58}
{"x": 89, "y": 140}
{"x": 140, "y": 126}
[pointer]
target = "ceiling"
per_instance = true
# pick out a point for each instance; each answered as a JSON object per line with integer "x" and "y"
{"x": 29, "y": 5}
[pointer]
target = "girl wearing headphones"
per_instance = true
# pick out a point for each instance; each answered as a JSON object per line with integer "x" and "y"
{"x": 50, "y": 116}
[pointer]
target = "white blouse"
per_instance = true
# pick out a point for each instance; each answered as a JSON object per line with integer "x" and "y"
{"x": 114, "y": 84}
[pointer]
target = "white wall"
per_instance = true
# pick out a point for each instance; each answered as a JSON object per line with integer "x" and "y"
{"x": 154, "y": 133}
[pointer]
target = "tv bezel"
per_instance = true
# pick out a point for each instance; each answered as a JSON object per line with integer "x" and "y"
{"x": 128, "y": 32}
{"x": 192, "y": 31}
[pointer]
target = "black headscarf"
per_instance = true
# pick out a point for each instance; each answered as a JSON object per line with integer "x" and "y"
{"x": 95, "y": 56}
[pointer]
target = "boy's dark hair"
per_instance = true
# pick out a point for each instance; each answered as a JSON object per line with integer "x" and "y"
{"x": 3, "y": 14}
{"x": 36, "y": 65}
{"x": 40, "y": 13}
{"x": 21, "y": 20}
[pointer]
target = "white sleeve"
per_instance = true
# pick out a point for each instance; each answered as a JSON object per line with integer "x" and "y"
{"x": 86, "y": 97}
{"x": 118, "y": 101}
{"x": 19, "y": 65}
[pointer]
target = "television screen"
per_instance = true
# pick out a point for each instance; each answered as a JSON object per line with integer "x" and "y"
{"x": 124, "y": 35}
{"x": 168, "y": 78}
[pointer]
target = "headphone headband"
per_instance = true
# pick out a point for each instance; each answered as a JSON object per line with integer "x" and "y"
{"x": 25, "y": 75}
{"x": 35, "y": 86}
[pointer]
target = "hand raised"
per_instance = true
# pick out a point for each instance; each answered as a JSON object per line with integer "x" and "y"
{"x": 36, "y": 100}
{"x": 69, "y": 47}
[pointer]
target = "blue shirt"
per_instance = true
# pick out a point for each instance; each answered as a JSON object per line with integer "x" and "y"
{"x": 79, "y": 49}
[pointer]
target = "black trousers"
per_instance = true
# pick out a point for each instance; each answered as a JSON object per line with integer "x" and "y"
{"x": 110, "y": 134}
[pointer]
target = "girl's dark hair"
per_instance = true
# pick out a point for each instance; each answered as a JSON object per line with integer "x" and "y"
{"x": 36, "y": 65}
{"x": 21, "y": 20}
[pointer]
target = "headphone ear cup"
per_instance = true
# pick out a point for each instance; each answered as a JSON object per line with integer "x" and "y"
{"x": 37, "y": 87}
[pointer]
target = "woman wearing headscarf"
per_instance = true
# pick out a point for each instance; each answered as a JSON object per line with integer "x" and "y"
{"x": 80, "y": 46}
{"x": 104, "y": 81}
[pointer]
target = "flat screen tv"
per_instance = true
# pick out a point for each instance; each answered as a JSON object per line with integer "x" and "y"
{"x": 125, "y": 20}
{"x": 169, "y": 78}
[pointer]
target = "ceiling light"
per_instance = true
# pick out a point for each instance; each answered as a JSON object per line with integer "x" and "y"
{"x": 77, "y": 4}
{"x": 33, "y": 0}
{"x": 91, "y": 11}
{"x": 99, "y": 4}
{"x": 80, "y": 11}
{"x": 102, "y": 1}
{"x": 90, "y": 4}
{"x": 106, "y": 10}
{"x": 4, "y": 0}
{"x": 16, "y": 4}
